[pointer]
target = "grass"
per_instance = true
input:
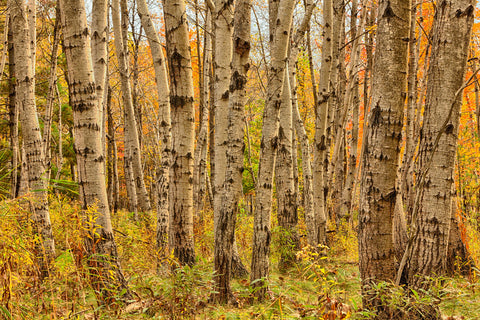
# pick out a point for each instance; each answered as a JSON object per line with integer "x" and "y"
{"x": 326, "y": 287}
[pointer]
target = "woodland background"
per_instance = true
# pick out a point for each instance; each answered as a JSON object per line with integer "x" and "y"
{"x": 150, "y": 234}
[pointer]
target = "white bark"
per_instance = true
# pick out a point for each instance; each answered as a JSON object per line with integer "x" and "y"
{"x": 269, "y": 144}
{"x": 322, "y": 111}
{"x": 100, "y": 243}
{"x": 200, "y": 179}
{"x": 432, "y": 214}
{"x": 284, "y": 181}
{"x": 183, "y": 130}
{"x": 382, "y": 145}
{"x": 222, "y": 32}
{"x": 164, "y": 130}
{"x": 32, "y": 140}
{"x": 232, "y": 185}
{"x": 132, "y": 145}
{"x": 99, "y": 41}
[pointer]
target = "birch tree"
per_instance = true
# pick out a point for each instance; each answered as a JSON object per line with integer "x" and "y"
{"x": 433, "y": 202}
{"x": 352, "y": 101}
{"x": 201, "y": 148}
{"x": 320, "y": 143}
{"x": 100, "y": 31}
{"x": 232, "y": 186}
{"x": 382, "y": 145}
{"x": 183, "y": 130}
{"x": 32, "y": 140}
{"x": 285, "y": 165}
{"x": 281, "y": 17}
{"x": 163, "y": 98}
{"x": 106, "y": 275}
{"x": 284, "y": 181}
{"x": 133, "y": 151}
{"x": 13, "y": 108}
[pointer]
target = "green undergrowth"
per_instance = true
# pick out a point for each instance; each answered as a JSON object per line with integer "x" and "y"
{"x": 323, "y": 284}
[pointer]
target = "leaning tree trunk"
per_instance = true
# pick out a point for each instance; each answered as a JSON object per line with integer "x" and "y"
{"x": 432, "y": 214}
{"x": 32, "y": 139}
{"x": 381, "y": 147}
{"x": 132, "y": 145}
{"x": 106, "y": 274}
{"x": 183, "y": 130}
{"x": 263, "y": 202}
{"x": 164, "y": 129}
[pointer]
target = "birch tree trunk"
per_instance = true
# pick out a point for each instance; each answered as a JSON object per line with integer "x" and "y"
{"x": 310, "y": 222}
{"x": 458, "y": 258}
{"x": 222, "y": 59}
{"x": 320, "y": 143}
{"x": 132, "y": 145}
{"x": 432, "y": 214}
{"x": 352, "y": 101}
{"x": 183, "y": 130}
{"x": 269, "y": 145}
{"x": 222, "y": 31}
{"x": 52, "y": 91}
{"x": 32, "y": 31}
{"x": 381, "y": 147}
{"x": 13, "y": 111}
{"x": 113, "y": 183}
{"x": 100, "y": 31}
{"x": 164, "y": 129}
{"x": 110, "y": 135}
{"x": 32, "y": 139}
{"x": 338, "y": 112}
{"x": 285, "y": 187}
{"x": 60, "y": 133}
{"x": 333, "y": 127}
{"x": 23, "y": 183}
{"x": 286, "y": 174}
{"x": 232, "y": 186}
{"x": 200, "y": 171}
{"x": 106, "y": 275}
{"x": 308, "y": 200}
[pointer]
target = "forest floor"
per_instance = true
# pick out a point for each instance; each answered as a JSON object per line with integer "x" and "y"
{"x": 317, "y": 287}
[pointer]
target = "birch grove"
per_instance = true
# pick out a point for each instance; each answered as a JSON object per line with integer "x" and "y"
{"x": 217, "y": 159}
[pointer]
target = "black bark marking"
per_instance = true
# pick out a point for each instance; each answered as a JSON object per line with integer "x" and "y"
{"x": 238, "y": 82}
{"x": 225, "y": 95}
{"x": 467, "y": 12}
{"x": 376, "y": 116}
{"x": 388, "y": 13}
{"x": 179, "y": 101}
{"x": 241, "y": 46}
